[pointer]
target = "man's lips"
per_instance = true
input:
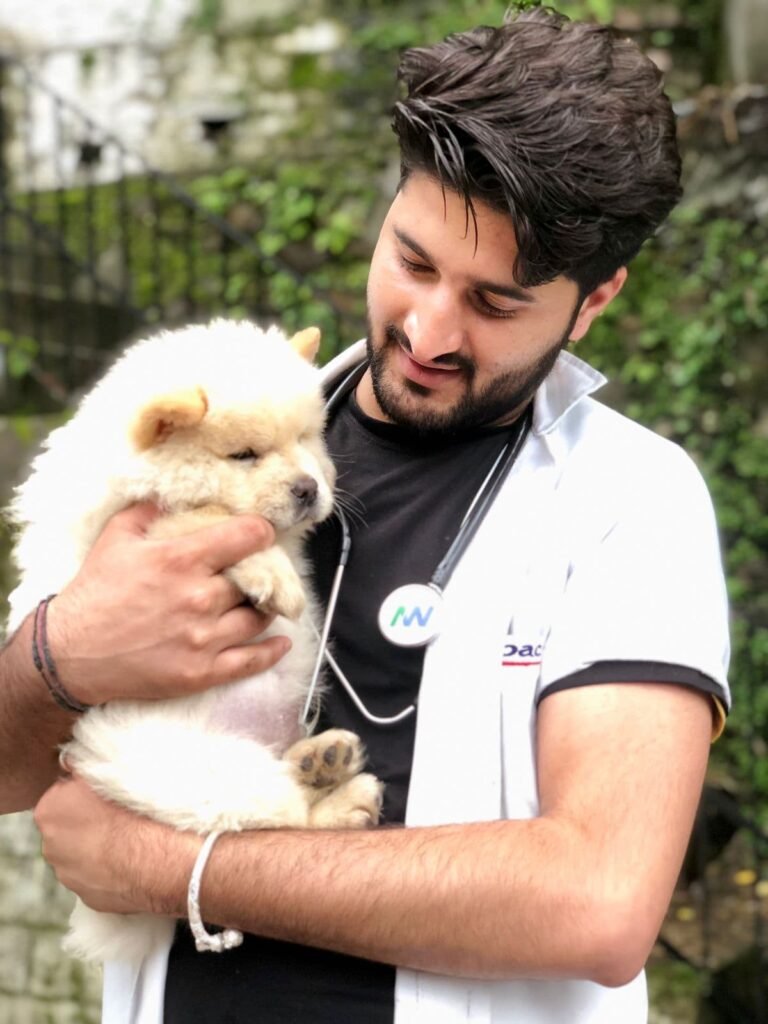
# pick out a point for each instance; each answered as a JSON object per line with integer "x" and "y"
{"x": 427, "y": 376}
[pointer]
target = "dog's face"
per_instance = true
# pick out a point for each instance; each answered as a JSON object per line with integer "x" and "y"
{"x": 263, "y": 455}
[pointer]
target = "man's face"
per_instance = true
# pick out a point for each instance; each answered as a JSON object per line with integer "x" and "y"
{"x": 453, "y": 341}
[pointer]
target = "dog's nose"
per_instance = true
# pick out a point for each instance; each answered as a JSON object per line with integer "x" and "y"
{"x": 305, "y": 491}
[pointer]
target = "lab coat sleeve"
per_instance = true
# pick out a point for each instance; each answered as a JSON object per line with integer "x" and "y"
{"x": 648, "y": 585}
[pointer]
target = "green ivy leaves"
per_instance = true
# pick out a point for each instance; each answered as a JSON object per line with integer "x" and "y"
{"x": 685, "y": 342}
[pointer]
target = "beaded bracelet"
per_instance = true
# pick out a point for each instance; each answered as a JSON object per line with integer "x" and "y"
{"x": 46, "y": 666}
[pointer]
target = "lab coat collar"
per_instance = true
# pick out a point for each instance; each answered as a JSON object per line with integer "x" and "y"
{"x": 570, "y": 380}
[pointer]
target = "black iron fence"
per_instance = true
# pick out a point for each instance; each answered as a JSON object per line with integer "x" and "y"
{"x": 96, "y": 245}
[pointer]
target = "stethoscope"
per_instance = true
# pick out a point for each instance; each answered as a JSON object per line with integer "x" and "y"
{"x": 411, "y": 616}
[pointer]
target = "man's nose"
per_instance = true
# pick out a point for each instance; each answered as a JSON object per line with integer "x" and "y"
{"x": 434, "y": 327}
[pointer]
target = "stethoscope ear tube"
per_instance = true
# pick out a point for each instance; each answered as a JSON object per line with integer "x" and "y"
{"x": 482, "y": 503}
{"x": 351, "y": 380}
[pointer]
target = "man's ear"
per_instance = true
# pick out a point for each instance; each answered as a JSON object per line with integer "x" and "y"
{"x": 306, "y": 343}
{"x": 595, "y": 303}
{"x": 158, "y": 420}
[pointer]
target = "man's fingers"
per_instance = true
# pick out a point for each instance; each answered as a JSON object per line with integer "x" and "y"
{"x": 226, "y": 543}
{"x": 134, "y": 520}
{"x": 239, "y": 620}
{"x": 217, "y": 547}
{"x": 241, "y": 625}
{"x": 239, "y": 662}
{"x": 224, "y": 596}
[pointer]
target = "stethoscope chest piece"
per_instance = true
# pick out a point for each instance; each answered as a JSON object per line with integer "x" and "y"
{"x": 411, "y": 616}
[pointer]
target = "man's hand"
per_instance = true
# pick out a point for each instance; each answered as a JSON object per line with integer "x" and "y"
{"x": 112, "y": 859}
{"x": 144, "y": 618}
{"x": 148, "y": 618}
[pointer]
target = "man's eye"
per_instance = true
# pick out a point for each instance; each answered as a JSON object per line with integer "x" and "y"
{"x": 490, "y": 310}
{"x": 244, "y": 455}
{"x": 415, "y": 268}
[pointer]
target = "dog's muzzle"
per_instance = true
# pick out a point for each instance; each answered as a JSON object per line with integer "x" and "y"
{"x": 304, "y": 492}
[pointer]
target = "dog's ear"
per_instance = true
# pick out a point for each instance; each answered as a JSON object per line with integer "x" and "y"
{"x": 307, "y": 342}
{"x": 158, "y": 420}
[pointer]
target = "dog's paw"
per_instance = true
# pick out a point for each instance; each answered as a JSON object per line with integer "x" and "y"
{"x": 356, "y": 803}
{"x": 288, "y": 597}
{"x": 269, "y": 580}
{"x": 328, "y": 759}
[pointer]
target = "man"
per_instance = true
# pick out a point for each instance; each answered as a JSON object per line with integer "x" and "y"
{"x": 551, "y": 774}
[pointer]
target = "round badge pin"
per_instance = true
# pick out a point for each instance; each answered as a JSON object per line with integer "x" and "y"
{"x": 412, "y": 615}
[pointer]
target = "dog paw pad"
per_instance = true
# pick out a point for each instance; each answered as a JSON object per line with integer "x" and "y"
{"x": 328, "y": 759}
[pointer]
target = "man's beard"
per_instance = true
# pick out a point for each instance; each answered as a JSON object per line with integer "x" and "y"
{"x": 498, "y": 401}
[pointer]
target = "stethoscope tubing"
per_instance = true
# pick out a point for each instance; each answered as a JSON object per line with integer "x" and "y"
{"x": 473, "y": 517}
{"x": 481, "y": 504}
{"x": 324, "y": 653}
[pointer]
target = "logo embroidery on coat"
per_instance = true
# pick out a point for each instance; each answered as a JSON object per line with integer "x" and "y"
{"x": 520, "y": 655}
{"x": 523, "y": 655}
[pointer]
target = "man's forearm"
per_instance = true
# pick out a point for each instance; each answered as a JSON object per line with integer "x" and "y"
{"x": 580, "y": 891}
{"x": 31, "y": 726}
{"x": 495, "y": 900}
{"x": 498, "y": 899}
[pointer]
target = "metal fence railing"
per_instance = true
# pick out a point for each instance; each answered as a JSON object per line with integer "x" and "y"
{"x": 95, "y": 244}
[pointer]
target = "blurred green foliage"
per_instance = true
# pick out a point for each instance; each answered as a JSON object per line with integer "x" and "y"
{"x": 685, "y": 342}
{"x": 308, "y": 219}
{"x": 19, "y": 351}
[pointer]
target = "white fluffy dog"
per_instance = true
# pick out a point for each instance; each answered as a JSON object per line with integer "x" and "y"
{"x": 206, "y": 421}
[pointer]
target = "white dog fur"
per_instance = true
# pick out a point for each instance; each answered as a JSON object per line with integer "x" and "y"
{"x": 165, "y": 424}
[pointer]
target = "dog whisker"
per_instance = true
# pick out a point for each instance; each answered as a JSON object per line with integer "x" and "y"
{"x": 351, "y": 506}
{"x": 340, "y": 458}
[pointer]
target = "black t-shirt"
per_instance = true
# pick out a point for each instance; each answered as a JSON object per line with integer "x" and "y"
{"x": 405, "y": 498}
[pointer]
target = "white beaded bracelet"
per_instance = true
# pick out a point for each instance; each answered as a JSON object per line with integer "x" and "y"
{"x": 230, "y": 938}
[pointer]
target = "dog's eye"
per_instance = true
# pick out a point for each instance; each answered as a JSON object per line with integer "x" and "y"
{"x": 244, "y": 455}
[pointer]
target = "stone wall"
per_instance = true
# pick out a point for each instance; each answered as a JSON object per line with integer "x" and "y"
{"x": 38, "y": 985}
{"x": 185, "y": 100}
{"x": 746, "y": 23}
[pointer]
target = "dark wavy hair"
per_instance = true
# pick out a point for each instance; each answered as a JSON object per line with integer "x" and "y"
{"x": 563, "y": 125}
